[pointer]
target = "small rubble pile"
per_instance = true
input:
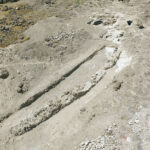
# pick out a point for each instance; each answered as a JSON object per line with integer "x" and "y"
{"x": 53, "y": 40}
{"x": 105, "y": 20}
{"x": 109, "y": 140}
{"x": 66, "y": 40}
{"x": 139, "y": 123}
{"x": 114, "y": 35}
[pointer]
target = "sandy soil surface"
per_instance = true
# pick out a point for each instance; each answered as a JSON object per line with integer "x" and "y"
{"x": 74, "y": 75}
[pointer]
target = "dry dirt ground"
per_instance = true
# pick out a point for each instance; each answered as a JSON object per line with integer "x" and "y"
{"x": 75, "y": 75}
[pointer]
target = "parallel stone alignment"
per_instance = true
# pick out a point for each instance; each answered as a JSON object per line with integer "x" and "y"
{"x": 56, "y": 105}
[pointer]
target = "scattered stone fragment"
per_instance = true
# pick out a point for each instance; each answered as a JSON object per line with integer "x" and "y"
{"x": 21, "y": 37}
{"x": 4, "y": 28}
{"x": 82, "y": 109}
{"x": 97, "y": 22}
{"x": 17, "y": 8}
{"x": 139, "y": 24}
{"x": 4, "y": 73}
{"x": 129, "y": 22}
{"x": 22, "y": 88}
{"x": 109, "y": 65}
{"x": 91, "y": 117}
{"x": 141, "y": 27}
{"x": 109, "y": 131}
{"x": 117, "y": 85}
